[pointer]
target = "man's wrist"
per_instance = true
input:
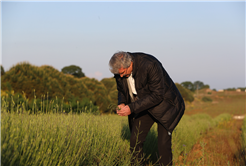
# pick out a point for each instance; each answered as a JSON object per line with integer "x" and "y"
{"x": 121, "y": 104}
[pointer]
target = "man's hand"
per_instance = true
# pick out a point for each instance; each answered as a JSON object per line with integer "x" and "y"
{"x": 124, "y": 111}
{"x": 120, "y": 107}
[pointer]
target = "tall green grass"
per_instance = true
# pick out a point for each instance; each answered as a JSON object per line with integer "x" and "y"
{"x": 53, "y": 138}
{"x": 15, "y": 102}
{"x": 86, "y": 139}
{"x": 56, "y": 139}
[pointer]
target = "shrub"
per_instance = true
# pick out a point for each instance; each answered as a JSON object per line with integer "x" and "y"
{"x": 16, "y": 102}
{"x": 185, "y": 93}
{"x": 207, "y": 99}
{"x": 55, "y": 85}
{"x": 2, "y": 70}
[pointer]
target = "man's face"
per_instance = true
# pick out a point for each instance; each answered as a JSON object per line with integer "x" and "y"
{"x": 125, "y": 72}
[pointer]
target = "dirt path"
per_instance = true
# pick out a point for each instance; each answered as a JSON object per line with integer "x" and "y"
{"x": 219, "y": 146}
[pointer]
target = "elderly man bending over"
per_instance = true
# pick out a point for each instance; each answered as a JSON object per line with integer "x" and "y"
{"x": 146, "y": 94}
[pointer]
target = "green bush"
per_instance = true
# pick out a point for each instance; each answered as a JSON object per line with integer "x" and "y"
{"x": 185, "y": 93}
{"x": 2, "y": 70}
{"x": 16, "y": 102}
{"x": 207, "y": 99}
{"x": 55, "y": 85}
{"x": 111, "y": 87}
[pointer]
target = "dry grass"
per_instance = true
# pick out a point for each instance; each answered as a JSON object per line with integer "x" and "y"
{"x": 219, "y": 146}
{"x": 223, "y": 102}
{"x": 222, "y": 145}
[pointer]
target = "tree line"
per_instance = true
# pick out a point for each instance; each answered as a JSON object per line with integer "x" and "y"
{"x": 69, "y": 87}
{"x": 197, "y": 85}
{"x": 46, "y": 83}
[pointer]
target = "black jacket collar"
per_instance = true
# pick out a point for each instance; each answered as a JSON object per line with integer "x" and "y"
{"x": 135, "y": 64}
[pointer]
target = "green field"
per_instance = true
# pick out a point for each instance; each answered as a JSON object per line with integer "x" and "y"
{"x": 86, "y": 139}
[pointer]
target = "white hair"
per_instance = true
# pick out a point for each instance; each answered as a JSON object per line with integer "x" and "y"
{"x": 118, "y": 60}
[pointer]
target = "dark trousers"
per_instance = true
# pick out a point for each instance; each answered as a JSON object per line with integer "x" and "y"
{"x": 140, "y": 127}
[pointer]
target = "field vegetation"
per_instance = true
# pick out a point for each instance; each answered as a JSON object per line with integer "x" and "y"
{"x": 86, "y": 139}
{"x": 55, "y": 138}
{"x": 244, "y": 137}
{"x": 52, "y": 118}
{"x": 222, "y": 102}
{"x": 47, "y": 84}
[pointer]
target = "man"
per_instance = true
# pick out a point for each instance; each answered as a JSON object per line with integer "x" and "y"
{"x": 146, "y": 94}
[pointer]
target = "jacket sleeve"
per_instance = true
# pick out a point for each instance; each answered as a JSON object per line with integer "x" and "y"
{"x": 121, "y": 96}
{"x": 154, "y": 90}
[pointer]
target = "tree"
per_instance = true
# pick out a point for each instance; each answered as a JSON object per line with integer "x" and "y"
{"x": 185, "y": 93}
{"x": 2, "y": 70}
{"x": 206, "y": 87}
{"x": 111, "y": 87}
{"x": 76, "y": 71}
{"x": 188, "y": 85}
{"x": 198, "y": 85}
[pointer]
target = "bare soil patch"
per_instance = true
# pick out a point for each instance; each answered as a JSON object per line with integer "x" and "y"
{"x": 219, "y": 146}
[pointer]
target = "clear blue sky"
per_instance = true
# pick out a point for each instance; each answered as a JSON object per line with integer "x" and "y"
{"x": 202, "y": 41}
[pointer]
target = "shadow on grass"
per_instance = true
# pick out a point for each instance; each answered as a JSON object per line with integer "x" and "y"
{"x": 150, "y": 146}
{"x": 125, "y": 132}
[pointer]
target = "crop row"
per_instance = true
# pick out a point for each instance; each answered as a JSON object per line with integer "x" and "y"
{"x": 86, "y": 139}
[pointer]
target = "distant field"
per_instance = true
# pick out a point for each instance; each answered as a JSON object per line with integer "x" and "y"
{"x": 223, "y": 102}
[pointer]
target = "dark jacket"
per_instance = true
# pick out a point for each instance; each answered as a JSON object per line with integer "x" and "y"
{"x": 156, "y": 91}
